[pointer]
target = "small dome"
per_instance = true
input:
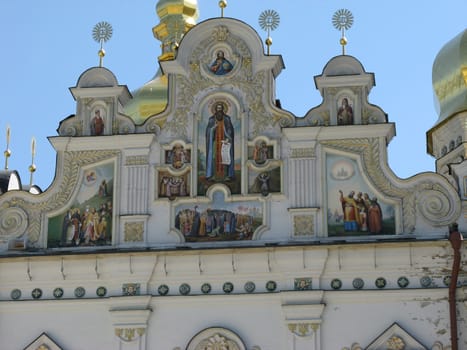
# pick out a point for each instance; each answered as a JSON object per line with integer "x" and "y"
{"x": 343, "y": 65}
{"x": 148, "y": 100}
{"x": 450, "y": 77}
{"x": 97, "y": 77}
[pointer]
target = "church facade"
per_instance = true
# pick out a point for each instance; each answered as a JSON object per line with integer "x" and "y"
{"x": 215, "y": 219}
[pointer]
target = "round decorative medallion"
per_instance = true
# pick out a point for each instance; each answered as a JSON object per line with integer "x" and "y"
{"x": 336, "y": 283}
{"x": 358, "y": 283}
{"x": 425, "y": 281}
{"x": 80, "y": 292}
{"x": 36, "y": 293}
{"x": 184, "y": 289}
{"x": 403, "y": 282}
{"x": 206, "y": 288}
{"x": 228, "y": 287}
{"x": 101, "y": 291}
{"x": 250, "y": 287}
{"x": 163, "y": 289}
{"x": 380, "y": 282}
{"x": 271, "y": 286}
{"x": 58, "y": 293}
{"x": 15, "y": 294}
{"x": 447, "y": 280}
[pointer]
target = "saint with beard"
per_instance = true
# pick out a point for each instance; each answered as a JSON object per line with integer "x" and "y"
{"x": 219, "y": 133}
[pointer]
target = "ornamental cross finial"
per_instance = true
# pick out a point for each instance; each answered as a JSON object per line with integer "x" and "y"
{"x": 342, "y": 20}
{"x": 101, "y": 33}
{"x": 268, "y": 21}
{"x": 7, "y": 152}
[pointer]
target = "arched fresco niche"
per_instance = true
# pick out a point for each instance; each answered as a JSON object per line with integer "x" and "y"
{"x": 354, "y": 207}
{"x": 345, "y": 110}
{"x": 219, "y": 145}
{"x": 88, "y": 219}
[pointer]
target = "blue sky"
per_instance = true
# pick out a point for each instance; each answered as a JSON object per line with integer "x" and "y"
{"x": 47, "y": 44}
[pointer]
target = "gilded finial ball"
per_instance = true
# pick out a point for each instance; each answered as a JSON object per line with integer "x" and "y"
{"x": 268, "y": 41}
{"x": 32, "y": 168}
{"x": 7, "y": 153}
{"x": 343, "y": 41}
{"x": 223, "y": 4}
{"x": 101, "y": 53}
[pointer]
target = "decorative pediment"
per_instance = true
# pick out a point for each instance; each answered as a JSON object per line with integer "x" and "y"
{"x": 395, "y": 338}
{"x": 43, "y": 342}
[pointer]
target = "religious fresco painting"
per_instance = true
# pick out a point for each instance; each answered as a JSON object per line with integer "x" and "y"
{"x": 219, "y": 220}
{"x": 172, "y": 186}
{"x": 220, "y": 65}
{"x": 264, "y": 181}
{"x": 353, "y": 209}
{"x": 88, "y": 220}
{"x": 97, "y": 122}
{"x": 345, "y": 111}
{"x": 219, "y": 148}
{"x": 260, "y": 152}
{"x": 177, "y": 156}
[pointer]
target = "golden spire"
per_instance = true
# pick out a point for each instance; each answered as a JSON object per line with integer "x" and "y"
{"x": 32, "y": 167}
{"x": 342, "y": 20}
{"x": 176, "y": 18}
{"x": 101, "y": 33}
{"x": 269, "y": 20}
{"x": 7, "y": 152}
{"x": 222, "y": 5}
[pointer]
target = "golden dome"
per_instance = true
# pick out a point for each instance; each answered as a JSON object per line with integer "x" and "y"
{"x": 149, "y": 99}
{"x": 449, "y": 77}
{"x": 176, "y": 18}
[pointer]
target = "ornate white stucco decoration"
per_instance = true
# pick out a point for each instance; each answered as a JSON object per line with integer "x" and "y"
{"x": 216, "y": 339}
{"x": 248, "y": 81}
{"x": 13, "y": 222}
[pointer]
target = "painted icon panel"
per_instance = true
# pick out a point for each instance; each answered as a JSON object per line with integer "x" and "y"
{"x": 172, "y": 186}
{"x": 88, "y": 220}
{"x": 219, "y": 148}
{"x": 260, "y": 152}
{"x": 177, "y": 156}
{"x": 353, "y": 208}
{"x": 265, "y": 181}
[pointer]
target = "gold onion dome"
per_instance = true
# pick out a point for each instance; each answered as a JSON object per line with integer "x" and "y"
{"x": 449, "y": 77}
{"x": 176, "y": 18}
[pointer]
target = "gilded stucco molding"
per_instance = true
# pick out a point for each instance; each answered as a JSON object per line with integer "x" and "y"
{"x": 72, "y": 163}
{"x": 434, "y": 200}
{"x": 129, "y": 334}
{"x": 134, "y": 231}
{"x": 303, "y": 329}
{"x": 303, "y": 225}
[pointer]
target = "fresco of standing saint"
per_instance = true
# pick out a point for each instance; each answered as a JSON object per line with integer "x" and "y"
{"x": 218, "y": 147}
